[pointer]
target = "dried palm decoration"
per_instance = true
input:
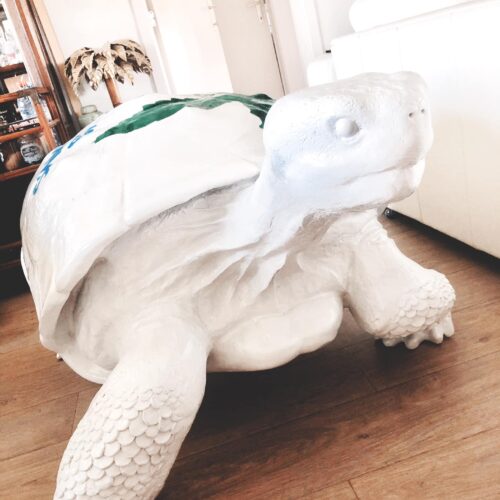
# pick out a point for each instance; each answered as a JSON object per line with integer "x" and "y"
{"x": 117, "y": 60}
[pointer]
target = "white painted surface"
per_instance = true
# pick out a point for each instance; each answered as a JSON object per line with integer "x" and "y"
{"x": 248, "y": 46}
{"x": 146, "y": 278}
{"x": 147, "y": 27}
{"x": 477, "y": 76}
{"x": 192, "y": 46}
{"x": 314, "y": 24}
{"x": 455, "y": 50}
{"x": 307, "y": 31}
{"x": 367, "y": 14}
{"x": 320, "y": 71}
{"x": 287, "y": 45}
{"x": 92, "y": 23}
{"x": 444, "y": 187}
{"x": 333, "y": 17}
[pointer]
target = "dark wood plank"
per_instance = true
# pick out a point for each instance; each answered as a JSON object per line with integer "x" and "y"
{"x": 84, "y": 399}
{"x": 306, "y": 429}
{"x": 339, "y": 443}
{"x": 24, "y": 360}
{"x": 31, "y": 476}
{"x": 468, "y": 469}
{"x": 342, "y": 491}
{"x": 37, "y": 427}
{"x": 475, "y": 286}
{"x": 32, "y": 388}
{"x": 18, "y": 323}
{"x": 239, "y": 404}
{"x": 477, "y": 334}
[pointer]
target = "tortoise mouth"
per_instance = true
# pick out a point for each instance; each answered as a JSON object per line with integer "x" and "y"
{"x": 411, "y": 168}
{"x": 407, "y": 167}
{"x": 409, "y": 161}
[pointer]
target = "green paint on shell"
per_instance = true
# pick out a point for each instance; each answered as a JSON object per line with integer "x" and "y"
{"x": 258, "y": 104}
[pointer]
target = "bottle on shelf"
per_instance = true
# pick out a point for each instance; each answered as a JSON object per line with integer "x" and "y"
{"x": 26, "y": 108}
{"x": 31, "y": 149}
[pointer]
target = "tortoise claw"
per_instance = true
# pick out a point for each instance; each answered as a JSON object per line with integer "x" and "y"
{"x": 435, "y": 334}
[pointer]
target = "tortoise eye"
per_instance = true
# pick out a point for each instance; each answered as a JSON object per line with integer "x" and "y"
{"x": 345, "y": 127}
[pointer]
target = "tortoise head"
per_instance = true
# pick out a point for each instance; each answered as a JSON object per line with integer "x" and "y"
{"x": 354, "y": 143}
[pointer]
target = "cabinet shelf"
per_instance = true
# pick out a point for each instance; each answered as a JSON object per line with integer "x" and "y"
{"x": 10, "y": 246}
{"x": 27, "y": 131}
{"x": 12, "y": 69}
{"x": 13, "y": 249}
{"x": 13, "y": 96}
{"x": 19, "y": 172}
{"x": 10, "y": 264}
{"x": 13, "y": 197}
{"x": 39, "y": 69}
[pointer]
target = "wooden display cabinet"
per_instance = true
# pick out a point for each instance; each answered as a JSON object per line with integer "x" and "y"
{"x": 49, "y": 126}
{"x": 13, "y": 183}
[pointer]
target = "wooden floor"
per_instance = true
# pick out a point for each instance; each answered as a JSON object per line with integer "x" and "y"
{"x": 354, "y": 420}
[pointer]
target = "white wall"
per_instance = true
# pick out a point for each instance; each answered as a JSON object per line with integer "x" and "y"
{"x": 312, "y": 24}
{"x": 192, "y": 46}
{"x": 79, "y": 23}
{"x": 333, "y": 17}
{"x": 248, "y": 47}
{"x": 287, "y": 45}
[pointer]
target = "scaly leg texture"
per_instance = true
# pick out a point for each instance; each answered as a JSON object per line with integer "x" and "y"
{"x": 423, "y": 314}
{"x": 394, "y": 298}
{"x": 127, "y": 441}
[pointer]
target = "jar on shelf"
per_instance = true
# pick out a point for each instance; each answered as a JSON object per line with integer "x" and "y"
{"x": 89, "y": 114}
{"x": 31, "y": 149}
{"x": 12, "y": 161}
{"x": 12, "y": 158}
{"x": 26, "y": 108}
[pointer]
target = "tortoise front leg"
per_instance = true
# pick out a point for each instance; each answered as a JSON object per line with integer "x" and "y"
{"x": 126, "y": 443}
{"x": 394, "y": 298}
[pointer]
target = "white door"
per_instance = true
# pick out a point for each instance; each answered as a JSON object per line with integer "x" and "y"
{"x": 191, "y": 47}
{"x": 245, "y": 31}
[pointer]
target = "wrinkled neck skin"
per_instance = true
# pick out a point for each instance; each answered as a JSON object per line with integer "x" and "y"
{"x": 270, "y": 208}
{"x": 268, "y": 213}
{"x": 272, "y": 211}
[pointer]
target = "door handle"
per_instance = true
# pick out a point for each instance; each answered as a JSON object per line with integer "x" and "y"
{"x": 260, "y": 12}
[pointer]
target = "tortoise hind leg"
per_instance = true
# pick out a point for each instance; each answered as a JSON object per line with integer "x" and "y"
{"x": 127, "y": 441}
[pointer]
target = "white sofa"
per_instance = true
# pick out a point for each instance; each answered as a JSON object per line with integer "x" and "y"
{"x": 456, "y": 50}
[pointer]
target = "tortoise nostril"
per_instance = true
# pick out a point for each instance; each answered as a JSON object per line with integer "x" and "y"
{"x": 413, "y": 113}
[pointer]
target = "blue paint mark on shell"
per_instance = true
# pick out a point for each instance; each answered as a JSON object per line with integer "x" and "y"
{"x": 48, "y": 162}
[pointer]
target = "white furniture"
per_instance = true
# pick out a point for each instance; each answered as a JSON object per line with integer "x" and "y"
{"x": 456, "y": 51}
{"x": 367, "y": 14}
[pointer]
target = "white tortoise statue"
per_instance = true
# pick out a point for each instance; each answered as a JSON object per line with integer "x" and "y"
{"x": 163, "y": 241}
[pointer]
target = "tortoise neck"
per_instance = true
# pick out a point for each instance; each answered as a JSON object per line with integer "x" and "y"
{"x": 269, "y": 210}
